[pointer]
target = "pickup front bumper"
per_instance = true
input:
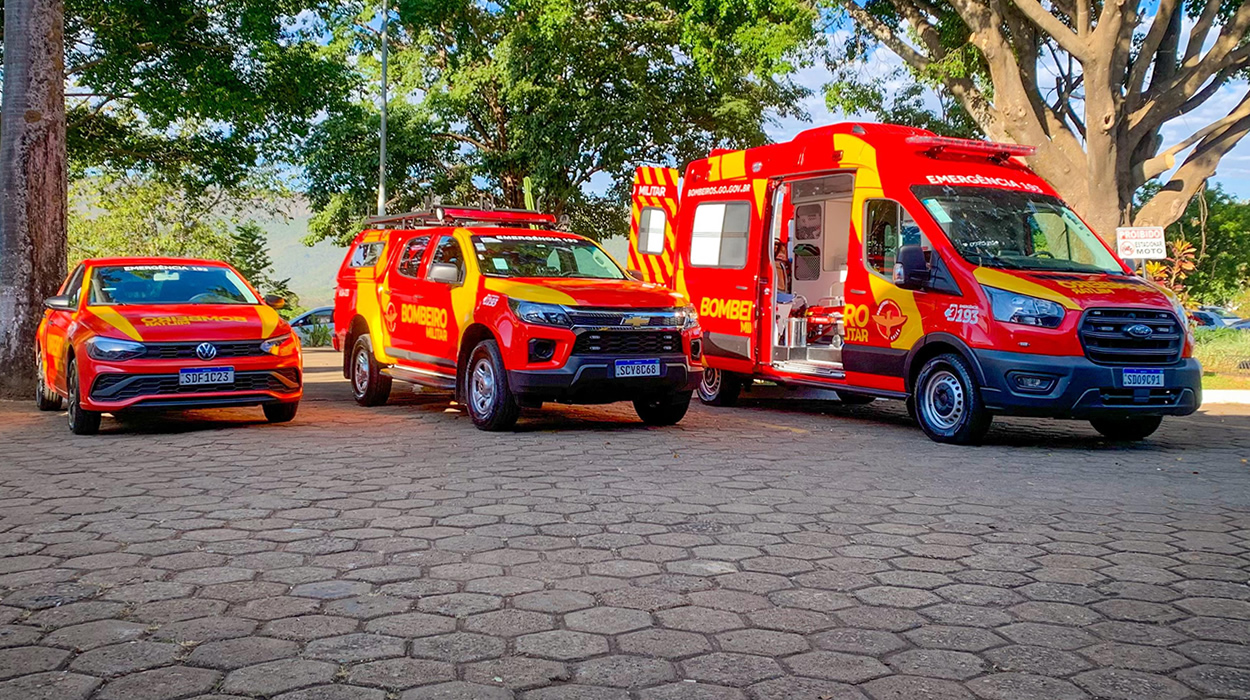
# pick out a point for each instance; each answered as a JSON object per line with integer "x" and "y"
{"x": 591, "y": 379}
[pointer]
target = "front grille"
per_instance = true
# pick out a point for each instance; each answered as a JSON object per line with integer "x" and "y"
{"x": 175, "y": 351}
{"x": 613, "y": 318}
{"x": 627, "y": 343}
{"x": 1104, "y": 333}
{"x": 1140, "y": 397}
{"x": 121, "y": 387}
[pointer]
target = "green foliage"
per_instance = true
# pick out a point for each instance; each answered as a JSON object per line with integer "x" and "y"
{"x": 318, "y": 336}
{"x": 554, "y": 90}
{"x": 897, "y": 100}
{"x": 249, "y": 253}
{"x": 1217, "y": 225}
{"x": 1221, "y": 350}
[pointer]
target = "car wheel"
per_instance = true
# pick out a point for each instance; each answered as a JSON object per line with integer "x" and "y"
{"x": 719, "y": 388}
{"x": 280, "y": 412}
{"x": 948, "y": 401}
{"x": 45, "y": 398}
{"x": 668, "y": 409}
{"x": 369, "y": 386}
{"x": 852, "y": 399}
{"x": 81, "y": 421}
{"x": 492, "y": 405}
{"x": 1126, "y": 429}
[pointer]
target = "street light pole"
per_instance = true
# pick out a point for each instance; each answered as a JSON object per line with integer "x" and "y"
{"x": 382, "y": 151}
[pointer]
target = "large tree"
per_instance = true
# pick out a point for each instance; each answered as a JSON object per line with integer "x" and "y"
{"x": 490, "y": 93}
{"x": 1092, "y": 84}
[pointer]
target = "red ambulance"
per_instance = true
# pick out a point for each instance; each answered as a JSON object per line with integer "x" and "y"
{"x": 885, "y": 261}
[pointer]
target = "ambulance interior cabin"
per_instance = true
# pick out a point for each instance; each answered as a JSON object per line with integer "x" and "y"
{"x": 809, "y": 243}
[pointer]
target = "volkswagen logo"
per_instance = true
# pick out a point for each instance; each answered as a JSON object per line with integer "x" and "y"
{"x": 1139, "y": 330}
{"x": 206, "y": 351}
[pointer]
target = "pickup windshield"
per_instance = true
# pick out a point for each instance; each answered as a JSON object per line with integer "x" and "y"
{"x": 168, "y": 284}
{"x": 1015, "y": 230}
{"x": 522, "y": 255}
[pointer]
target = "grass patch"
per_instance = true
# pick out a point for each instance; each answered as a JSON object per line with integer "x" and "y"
{"x": 1221, "y": 352}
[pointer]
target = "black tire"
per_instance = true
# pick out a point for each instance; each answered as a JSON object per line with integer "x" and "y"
{"x": 948, "y": 401}
{"x": 281, "y": 412}
{"x": 492, "y": 405}
{"x": 45, "y": 398}
{"x": 668, "y": 409}
{"x": 1126, "y": 429}
{"x": 81, "y": 421}
{"x": 369, "y": 386}
{"x": 850, "y": 398}
{"x": 719, "y": 388}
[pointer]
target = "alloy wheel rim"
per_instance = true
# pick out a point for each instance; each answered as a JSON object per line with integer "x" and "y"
{"x": 710, "y": 386}
{"x": 71, "y": 382}
{"x": 944, "y": 401}
{"x": 360, "y": 373}
{"x": 482, "y": 390}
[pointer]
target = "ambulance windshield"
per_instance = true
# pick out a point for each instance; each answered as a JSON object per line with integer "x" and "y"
{"x": 168, "y": 284}
{"x": 1015, "y": 230}
{"x": 523, "y": 255}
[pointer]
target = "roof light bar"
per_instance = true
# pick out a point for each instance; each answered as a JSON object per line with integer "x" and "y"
{"x": 945, "y": 143}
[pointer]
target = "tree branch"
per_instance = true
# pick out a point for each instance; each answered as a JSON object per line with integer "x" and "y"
{"x": 1166, "y": 160}
{"x": 1051, "y": 25}
{"x": 1159, "y": 28}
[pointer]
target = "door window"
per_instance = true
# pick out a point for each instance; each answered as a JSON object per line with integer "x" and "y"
{"x": 449, "y": 252}
{"x": 73, "y": 288}
{"x": 411, "y": 256}
{"x": 651, "y": 224}
{"x": 719, "y": 236}
{"x": 889, "y": 227}
{"x": 366, "y": 254}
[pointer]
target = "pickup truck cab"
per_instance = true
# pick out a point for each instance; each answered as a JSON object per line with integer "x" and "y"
{"x": 509, "y": 316}
{"x": 883, "y": 261}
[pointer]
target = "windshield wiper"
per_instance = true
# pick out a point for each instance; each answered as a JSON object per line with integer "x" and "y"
{"x": 998, "y": 260}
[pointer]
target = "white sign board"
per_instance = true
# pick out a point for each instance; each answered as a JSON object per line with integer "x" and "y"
{"x": 1140, "y": 243}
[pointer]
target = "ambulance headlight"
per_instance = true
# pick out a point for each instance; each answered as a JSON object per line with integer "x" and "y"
{"x": 687, "y": 316}
{"x": 1010, "y": 307}
{"x": 114, "y": 350}
{"x": 544, "y": 314}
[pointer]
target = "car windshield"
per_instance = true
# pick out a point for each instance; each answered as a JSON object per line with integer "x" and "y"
{"x": 523, "y": 255}
{"x": 168, "y": 284}
{"x": 1015, "y": 230}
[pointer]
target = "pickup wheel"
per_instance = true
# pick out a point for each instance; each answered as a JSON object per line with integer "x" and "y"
{"x": 1126, "y": 429}
{"x": 719, "y": 388}
{"x": 492, "y": 405}
{"x": 369, "y": 386}
{"x": 45, "y": 398}
{"x": 668, "y": 409}
{"x": 81, "y": 421}
{"x": 852, "y": 399}
{"x": 948, "y": 401}
{"x": 281, "y": 412}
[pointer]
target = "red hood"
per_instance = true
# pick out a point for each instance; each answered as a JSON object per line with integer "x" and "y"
{"x": 185, "y": 322}
{"x": 1079, "y": 291}
{"x": 593, "y": 293}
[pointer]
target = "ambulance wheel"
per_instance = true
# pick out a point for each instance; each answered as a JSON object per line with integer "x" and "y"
{"x": 369, "y": 386}
{"x": 281, "y": 412}
{"x": 492, "y": 405}
{"x": 81, "y": 421}
{"x": 45, "y": 398}
{"x": 1126, "y": 429}
{"x": 948, "y": 401}
{"x": 668, "y": 409}
{"x": 852, "y": 399}
{"x": 719, "y": 388}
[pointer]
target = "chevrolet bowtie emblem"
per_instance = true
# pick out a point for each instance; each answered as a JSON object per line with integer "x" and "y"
{"x": 635, "y": 321}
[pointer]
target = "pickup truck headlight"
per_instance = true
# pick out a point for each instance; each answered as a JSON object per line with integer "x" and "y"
{"x": 544, "y": 314}
{"x": 114, "y": 350}
{"x": 1010, "y": 307}
{"x": 688, "y": 316}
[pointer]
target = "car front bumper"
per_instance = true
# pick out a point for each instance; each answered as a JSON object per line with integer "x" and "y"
{"x": 111, "y": 387}
{"x": 1083, "y": 389}
{"x": 590, "y": 379}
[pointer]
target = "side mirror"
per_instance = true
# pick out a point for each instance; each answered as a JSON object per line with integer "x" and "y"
{"x": 59, "y": 302}
{"x": 445, "y": 273}
{"x": 636, "y": 274}
{"x": 275, "y": 301}
{"x": 910, "y": 269}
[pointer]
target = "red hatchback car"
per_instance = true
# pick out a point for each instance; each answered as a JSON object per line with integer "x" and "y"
{"x": 163, "y": 333}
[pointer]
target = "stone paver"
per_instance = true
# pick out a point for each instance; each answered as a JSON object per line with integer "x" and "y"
{"x": 779, "y": 550}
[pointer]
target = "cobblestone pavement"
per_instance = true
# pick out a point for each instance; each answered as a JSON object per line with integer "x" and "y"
{"x": 798, "y": 550}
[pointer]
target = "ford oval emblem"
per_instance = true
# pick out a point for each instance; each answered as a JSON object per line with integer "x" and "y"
{"x": 206, "y": 351}
{"x": 1139, "y": 330}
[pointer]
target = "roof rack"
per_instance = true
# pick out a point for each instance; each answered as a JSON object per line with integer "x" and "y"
{"x": 460, "y": 216}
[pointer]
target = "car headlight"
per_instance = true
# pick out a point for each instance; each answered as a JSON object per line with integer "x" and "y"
{"x": 1010, "y": 307}
{"x": 275, "y": 345}
{"x": 688, "y": 316}
{"x": 545, "y": 314}
{"x": 114, "y": 350}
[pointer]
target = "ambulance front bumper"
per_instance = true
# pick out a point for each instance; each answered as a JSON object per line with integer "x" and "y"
{"x": 591, "y": 379}
{"x": 1022, "y": 384}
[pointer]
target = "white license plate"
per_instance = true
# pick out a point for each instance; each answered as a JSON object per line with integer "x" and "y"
{"x": 205, "y": 375}
{"x": 637, "y": 368}
{"x": 1141, "y": 377}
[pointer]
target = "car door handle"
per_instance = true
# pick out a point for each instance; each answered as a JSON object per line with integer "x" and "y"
{"x": 858, "y": 291}
{"x": 743, "y": 287}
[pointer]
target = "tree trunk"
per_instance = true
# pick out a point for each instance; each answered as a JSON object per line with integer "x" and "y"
{"x": 33, "y": 185}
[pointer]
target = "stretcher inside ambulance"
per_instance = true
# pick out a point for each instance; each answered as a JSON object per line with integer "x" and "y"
{"x": 883, "y": 261}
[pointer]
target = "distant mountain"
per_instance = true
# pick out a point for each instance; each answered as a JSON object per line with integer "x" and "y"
{"x": 311, "y": 270}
